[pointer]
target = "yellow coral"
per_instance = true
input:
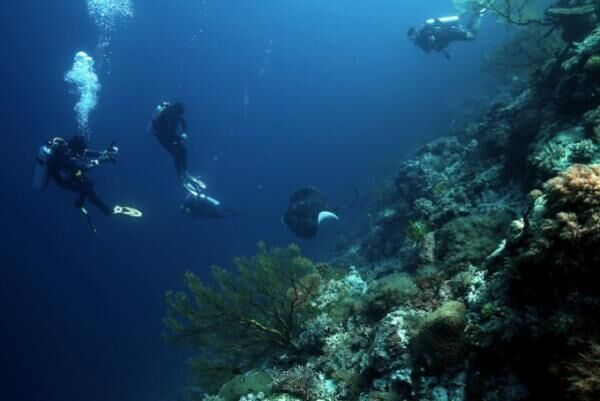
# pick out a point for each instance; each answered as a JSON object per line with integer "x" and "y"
{"x": 593, "y": 64}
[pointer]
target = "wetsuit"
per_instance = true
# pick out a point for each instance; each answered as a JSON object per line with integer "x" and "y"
{"x": 437, "y": 34}
{"x": 67, "y": 169}
{"x": 437, "y": 37}
{"x": 165, "y": 126}
{"x": 202, "y": 206}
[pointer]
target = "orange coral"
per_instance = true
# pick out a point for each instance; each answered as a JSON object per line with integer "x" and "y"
{"x": 577, "y": 188}
{"x": 574, "y": 197}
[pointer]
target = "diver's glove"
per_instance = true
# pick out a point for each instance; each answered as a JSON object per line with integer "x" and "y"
{"x": 113, "y": 148}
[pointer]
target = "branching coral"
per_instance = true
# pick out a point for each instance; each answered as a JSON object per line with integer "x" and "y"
{"x": 513, "y": 12}
{"x": 585, "y": 375}
{"x": 559, "y": 248}
{"x": 245, "y": 318}
{"x": 577, "y": 189}
{"x": 552, "y": 157}
{"x": 574, "y": 198}
{"x": 567, "y": 148}
{"x": 301, "y": 381}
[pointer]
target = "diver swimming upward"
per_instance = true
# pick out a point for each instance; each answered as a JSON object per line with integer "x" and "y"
{"x": 164, "y": 125}
{"x": 67, "y": 162}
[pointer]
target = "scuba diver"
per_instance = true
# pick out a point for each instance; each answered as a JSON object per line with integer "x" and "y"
{"x": 308, "y": 209}
{"x": 164, "y": 125}
{"x": 200, "y": 206}
{"x": 436, "y": 34}
{"x": 66, "y": 162}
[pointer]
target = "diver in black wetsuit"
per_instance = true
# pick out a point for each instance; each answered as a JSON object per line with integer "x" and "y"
{"x": 204, "y": 207}
{"x": 436, "y": 34}
{"x": 66, "y": 162}
{"x": 165, "y": 123}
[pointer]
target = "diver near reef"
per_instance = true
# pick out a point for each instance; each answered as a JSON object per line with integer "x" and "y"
{"x": 164, "y": 125}
{"x": 67, "y": 162}
{"x": 308, "y": 209}
{"x": 436, "y": 34}
{"x": 201, "y": 206}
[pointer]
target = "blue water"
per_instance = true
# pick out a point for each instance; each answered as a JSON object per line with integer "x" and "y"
{"x": 279, "y": 94}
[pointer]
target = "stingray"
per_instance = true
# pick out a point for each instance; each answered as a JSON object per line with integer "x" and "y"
{"x": 307, "y": 209}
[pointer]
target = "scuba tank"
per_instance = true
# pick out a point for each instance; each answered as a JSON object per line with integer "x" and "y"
{"x": 444, "y": 21}
{"x": 40, "y": 175}
{"x": 159, "y": 109}
{"x": 151, "y": 124}
{"x": 45, "y": 153}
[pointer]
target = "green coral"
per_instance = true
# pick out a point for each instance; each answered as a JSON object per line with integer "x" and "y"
{"x": 245, "y": 318}
{"x": 254, "y": 382}
{"x": 592, "y": 65}
{"x": 417, "y": 230}
{"x": 388, "y": 293}
{"x": 440, "y": 343}
{"x": 584, "y": 151}
{"x": 470, "y": 239}
{"x": 552, "y": 157}
{"x": 567, "y": 148}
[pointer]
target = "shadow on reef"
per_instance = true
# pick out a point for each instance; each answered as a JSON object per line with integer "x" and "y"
{"x": 477, "y": 279}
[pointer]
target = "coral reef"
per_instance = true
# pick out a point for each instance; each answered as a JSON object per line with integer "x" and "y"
{"x": 475, "y": 278}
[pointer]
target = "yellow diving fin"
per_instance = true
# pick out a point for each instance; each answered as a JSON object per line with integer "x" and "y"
{"x": 127, "y": 211}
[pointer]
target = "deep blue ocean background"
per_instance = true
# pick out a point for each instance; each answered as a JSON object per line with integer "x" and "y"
{"x": 336, "y": 96}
